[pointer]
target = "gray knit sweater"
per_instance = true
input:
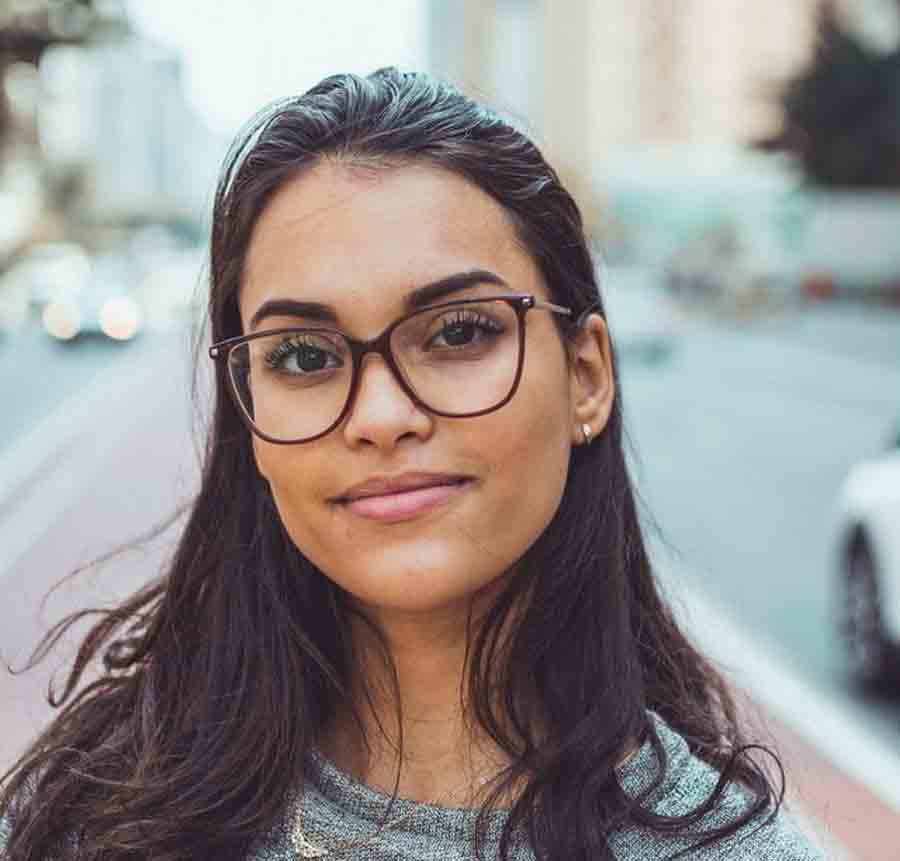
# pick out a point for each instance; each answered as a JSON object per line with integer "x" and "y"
{"x": 334, "y": 809}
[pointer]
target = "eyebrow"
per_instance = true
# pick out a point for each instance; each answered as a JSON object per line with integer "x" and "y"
{"x": 421, "y": 297}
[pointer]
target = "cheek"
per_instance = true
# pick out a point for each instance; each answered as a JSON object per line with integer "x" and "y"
{"x": 529, "y": 461}
{"x": 290, "y": 475}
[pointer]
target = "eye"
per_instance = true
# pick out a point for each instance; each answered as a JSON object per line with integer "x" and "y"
{"x": 465, "y": 328}
{"x": 303, "y": 354}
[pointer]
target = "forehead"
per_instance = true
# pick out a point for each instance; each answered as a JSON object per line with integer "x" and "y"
{"x": 359, "y": 240}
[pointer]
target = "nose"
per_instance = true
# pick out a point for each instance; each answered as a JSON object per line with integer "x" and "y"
{"x": 382, "y": 413}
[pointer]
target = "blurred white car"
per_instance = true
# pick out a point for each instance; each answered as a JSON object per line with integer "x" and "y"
{"x": 37, "y": 274}
{"x": 869, "y": 568}
{"x": 730, "y": 269}
{"x": 100, "y": 305}
{"x": 849, "y": 245}
{"x": 47, "y": 269}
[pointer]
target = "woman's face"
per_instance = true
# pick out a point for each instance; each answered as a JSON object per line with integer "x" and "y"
{"x": 360, "y": 241}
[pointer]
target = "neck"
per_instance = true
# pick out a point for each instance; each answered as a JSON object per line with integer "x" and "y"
{"x": 443, "y": 753}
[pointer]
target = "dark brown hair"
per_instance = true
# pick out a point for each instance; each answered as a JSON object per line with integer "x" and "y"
{"x": 220, "y": 674}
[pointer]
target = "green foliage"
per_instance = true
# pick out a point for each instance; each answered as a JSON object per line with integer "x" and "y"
{"x": 842, "y": 113}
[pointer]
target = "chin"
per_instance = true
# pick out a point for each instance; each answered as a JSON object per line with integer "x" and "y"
{"x": 416, "y": 582}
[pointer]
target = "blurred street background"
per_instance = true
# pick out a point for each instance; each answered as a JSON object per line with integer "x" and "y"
{"x": 738, "y": 167}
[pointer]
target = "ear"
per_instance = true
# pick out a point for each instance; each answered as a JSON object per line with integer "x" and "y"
{"x": 591, "y": 382}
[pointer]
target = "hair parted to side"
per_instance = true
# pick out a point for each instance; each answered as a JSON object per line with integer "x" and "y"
{"x": 221, "y": 673}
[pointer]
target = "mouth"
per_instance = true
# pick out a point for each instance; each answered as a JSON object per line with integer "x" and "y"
{"x": 398, "y": 505}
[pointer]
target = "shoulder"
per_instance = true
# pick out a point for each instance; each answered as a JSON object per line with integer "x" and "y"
{"x": 778, "y": 838}
{"x": 687, "y": 783}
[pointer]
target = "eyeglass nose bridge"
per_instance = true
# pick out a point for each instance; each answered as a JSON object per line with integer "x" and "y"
{"x": 381, "y": 345}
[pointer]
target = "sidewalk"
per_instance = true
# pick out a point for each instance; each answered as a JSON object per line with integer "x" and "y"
{"x": 842, "y": 787}
{"x": 839, "y": 813}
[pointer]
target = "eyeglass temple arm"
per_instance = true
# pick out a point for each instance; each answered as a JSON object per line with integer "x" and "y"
{"x": 558, "y": 309}
{"x": 549, "y": 306}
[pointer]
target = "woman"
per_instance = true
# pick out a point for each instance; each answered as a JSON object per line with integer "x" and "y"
{"x": 411, "y": 613}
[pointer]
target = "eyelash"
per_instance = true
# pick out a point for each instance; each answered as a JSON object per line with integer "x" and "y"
{"x": 286, "y": 348}
{"x": 473, "y": 318}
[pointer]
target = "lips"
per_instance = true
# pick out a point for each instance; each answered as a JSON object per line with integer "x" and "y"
{"x": 402, "y": 497}
{"x": 405, "y": 483}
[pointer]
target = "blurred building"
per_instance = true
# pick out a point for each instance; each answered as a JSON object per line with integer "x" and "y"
{"x": 593, "y": 77}
{"x": 115, "y": 111}
{"x": 99, "y": 124}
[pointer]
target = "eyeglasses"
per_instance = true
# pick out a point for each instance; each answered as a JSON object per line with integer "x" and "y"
{"x": 457, "y": 359}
